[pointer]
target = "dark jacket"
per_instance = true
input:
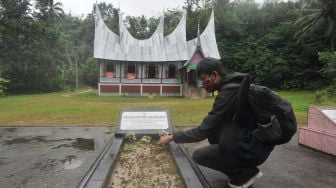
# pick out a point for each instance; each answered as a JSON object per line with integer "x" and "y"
{"x": 214, "y": 125}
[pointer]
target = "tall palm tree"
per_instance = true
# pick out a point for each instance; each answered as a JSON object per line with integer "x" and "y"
{"x": 321, "y": 17}
{"x": 49, "y": 10}
{"x": 55, "y": 10}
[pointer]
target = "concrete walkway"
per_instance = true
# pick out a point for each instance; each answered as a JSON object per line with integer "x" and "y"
{"x": 50, "y": 157}
{"x": 289, "y": 166}
{"x": 57, "y": 157}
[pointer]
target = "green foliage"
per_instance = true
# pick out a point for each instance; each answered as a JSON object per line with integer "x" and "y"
{"x": 3, "y": 83}
{"x": 130, "y": 137}
{"x": 48, "y": 10}
{"x": 260, "y": 41}
{"x": 146, "y": 139}
{"x": 326, "y": 95}
{"x": 128, "y": 146}
{"x": 328, "y": 59}
{"x": 89, "y": 72}
{"x": 319, "y": 16}
{"x": 30, "y": 50}
{"x": 329, "y": 69}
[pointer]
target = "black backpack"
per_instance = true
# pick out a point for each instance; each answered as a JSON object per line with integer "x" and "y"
{"x": 275, "y": 116}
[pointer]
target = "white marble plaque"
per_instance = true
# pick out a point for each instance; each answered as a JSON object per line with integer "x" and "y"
{"x": 144, "y": 121}
{"x": 331, "y": 114}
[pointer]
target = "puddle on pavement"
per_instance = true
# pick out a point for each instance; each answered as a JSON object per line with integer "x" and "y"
{"x": 71, "y": 162}
{"x": 46, "y": 165}
{"x": 2, "y": 161}
{"x": 78, "y": 143}
{"x": 22, "y": 140}
{"x": 83, "y": 144}
{"x": 10, "y": 129}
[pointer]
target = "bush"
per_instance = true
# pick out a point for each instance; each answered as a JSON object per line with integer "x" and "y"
{"x": 326, "y": 94}
{"x": 88, "y": 72}
{"x": 3, "y": 83}
{"x": 329, "y": 68}
{"x": 329, "y": 73}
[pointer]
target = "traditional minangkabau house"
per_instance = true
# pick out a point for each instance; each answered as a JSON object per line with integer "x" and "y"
{"x": 160, "y": 65}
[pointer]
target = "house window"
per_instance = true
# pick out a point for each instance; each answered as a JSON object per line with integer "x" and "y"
{"x": 152, "y": 71}
{"x": 171, "y": 70}
{"x": 110, "y": 70}
{"x": 131, "y": 71}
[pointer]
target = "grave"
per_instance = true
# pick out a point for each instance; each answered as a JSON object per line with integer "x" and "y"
{"x": 132, "y": 157}
{"x": 321, "y": 131}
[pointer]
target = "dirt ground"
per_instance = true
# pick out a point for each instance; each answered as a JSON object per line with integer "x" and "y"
{"x": 144, "y": 165}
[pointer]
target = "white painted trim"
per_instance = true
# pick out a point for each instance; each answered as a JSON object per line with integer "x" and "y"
{"x": 111, "y": 84}
{"x": 141, "y": 89}
{"x": 99, "y": 89}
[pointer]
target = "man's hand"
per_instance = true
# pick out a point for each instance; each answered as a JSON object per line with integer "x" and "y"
{"x": 165, "y": 139}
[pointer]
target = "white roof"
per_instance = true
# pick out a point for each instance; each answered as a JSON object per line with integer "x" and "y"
{"x": 157, "y": 48}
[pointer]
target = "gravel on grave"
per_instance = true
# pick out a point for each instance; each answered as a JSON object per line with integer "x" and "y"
{"x": 142, "y": 164}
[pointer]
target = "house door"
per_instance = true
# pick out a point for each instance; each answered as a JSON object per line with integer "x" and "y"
{"x": 192, "y": 79}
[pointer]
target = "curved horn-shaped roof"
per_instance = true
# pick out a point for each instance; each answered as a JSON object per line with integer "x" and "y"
{"x": 150, "y": 49}
{"x": 207, "y": 41}
{"x": 157, "y": 48}
{"x": 106, "y": 43}
{"x": 175, "y": 43}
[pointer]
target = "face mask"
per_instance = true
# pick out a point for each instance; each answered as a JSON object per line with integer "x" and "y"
{"x": 207, "y": 86}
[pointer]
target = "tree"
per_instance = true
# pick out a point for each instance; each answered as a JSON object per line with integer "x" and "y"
{"x": 48, "y": 10}
{"x": 110, "y": 15}
{"x": 39, "y": 50}
{"x": 30, "y": 49}
{"x": 14, "y": 9}
{"x": 88, "y": 72}
{"x": 321, "y": 17}
{"x": 171, "y": 19}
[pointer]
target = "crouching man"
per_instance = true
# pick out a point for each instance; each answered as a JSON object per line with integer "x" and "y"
{"x": 242, "y": 153}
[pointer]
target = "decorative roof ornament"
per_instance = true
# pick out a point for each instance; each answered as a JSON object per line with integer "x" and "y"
{"x": 198, "y": 34}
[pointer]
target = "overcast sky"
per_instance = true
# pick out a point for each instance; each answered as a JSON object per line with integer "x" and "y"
{"x": 130, "y": 7}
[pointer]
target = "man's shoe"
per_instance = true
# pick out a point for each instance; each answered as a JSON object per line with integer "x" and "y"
{"x": 246, "y": 182}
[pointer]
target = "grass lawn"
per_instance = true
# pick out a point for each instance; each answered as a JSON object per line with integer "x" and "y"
{"x": 66, "y": 108}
